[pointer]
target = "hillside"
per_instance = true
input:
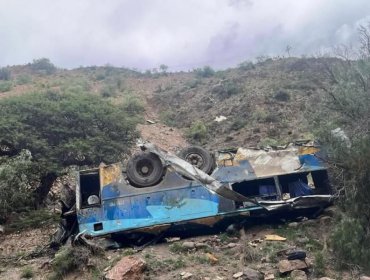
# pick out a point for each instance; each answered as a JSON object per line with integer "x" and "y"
{"x": 266, "y": 103}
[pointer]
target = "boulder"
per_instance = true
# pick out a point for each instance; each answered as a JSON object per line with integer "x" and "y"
{"x": 288, "y": 266}
{"x": 238, "y": 274}
{"x": 298, "y": 275}
{"x": 188, "y": 244}
{"x": 251, "y": 274}
{"x": 326, "y": 278}
{"x": 128, "y": 268}
{"x": 364, "y": 277}
{"x": 293, "y": 225}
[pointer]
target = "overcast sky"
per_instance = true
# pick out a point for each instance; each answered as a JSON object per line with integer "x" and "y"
{"x": 183, "y": 34}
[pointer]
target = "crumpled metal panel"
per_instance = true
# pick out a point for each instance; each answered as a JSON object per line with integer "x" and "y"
{"x": 186, "y": 169}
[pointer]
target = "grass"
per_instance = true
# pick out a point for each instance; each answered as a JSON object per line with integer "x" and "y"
{"x": 177, "y": 247}
{"x": 33, "y": 219}
{"x": 159, "y": 265}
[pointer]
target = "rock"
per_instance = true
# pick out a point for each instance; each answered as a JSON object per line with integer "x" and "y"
{"x": 128, "y": 268}
{"x": 274, "y": 237}
{"x": 298, "y": 275}
{"x": 326, "y": 278}
{"x": 172, "y": 239}
{"x": 302, "y": 240}
{"x": 201, "y": 245}
{"x": 186, "y": 275}
{"x": 238, "y": 274}
{"x": 287, "y": 266}
{"x": 269, "y": 276}
{"x": 364, "y": 277}
{"x": 231, "y": 245}
{"x": 310, "y": 223}
{"x": 325, "y": 219}
{"x": 293, "y": 225}
{"x": 2, "y": 230}
{"x": 251, "y": 274}
{"x": 188, "y": 244}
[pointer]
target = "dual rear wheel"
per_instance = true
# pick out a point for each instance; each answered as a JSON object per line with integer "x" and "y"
{"x": 146, "y": 169}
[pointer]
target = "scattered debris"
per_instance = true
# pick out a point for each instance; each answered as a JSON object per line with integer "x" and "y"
{"x": 297, "y": 255}
{"x": 128, "y": 268}
{"x": 274, "y": 237}
{"x": 211, "y": 258}
{"x": 288, "y": 266}
{"x": 172, "y": 239}
{"x": 186, "y": 275}
{"x": 220, "y": 119}
{"x": 238, "y": 274}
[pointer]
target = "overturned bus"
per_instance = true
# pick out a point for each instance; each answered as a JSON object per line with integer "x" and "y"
{"x": 158, "y": 190}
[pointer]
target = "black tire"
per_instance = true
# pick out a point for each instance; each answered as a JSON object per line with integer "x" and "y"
{"x": 144, "y": 170}
{"x": 198, "y": 157}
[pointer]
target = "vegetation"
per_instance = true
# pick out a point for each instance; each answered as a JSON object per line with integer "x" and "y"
{"x": 60, "y": 130}
{"x": 204, "y": 72}
{"x": 69, "y": 259}
{"x": 43, "y": 66}
{"x": 197, "y": 132}
{"x": 5, "y": 74}
{"x": 27, "y": 272}
{"x": 5, "y": 86}
{"x": 348, "y": 147}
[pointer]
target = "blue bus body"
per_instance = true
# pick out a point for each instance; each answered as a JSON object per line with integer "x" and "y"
{"x": 268, "y": 178}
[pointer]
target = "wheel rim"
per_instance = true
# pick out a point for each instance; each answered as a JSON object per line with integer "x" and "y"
{"x": 144, "y": 168}
{"x": 195, "y": 159}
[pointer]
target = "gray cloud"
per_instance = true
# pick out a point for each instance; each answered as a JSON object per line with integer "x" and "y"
{"x": 183, "y": 34}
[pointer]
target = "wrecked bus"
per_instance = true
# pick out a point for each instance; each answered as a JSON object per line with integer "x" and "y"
{"x": 158, "y": 190}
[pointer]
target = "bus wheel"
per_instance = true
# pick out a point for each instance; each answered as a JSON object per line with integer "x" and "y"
{"x": 199, "y": 157}
{"x": 145, "y": 170}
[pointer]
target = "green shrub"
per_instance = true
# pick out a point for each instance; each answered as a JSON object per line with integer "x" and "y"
{"x": 193, "y": 83}
{"x": 282, "y": 95}
{"x": 168, "y": 117}
{"x": 43, "y": 66}
{"x": 5, "y": 86}
{"x": 238, "y": 124}
{"x": 68, "y": 259}
{"x": 204, "y": 72}
{"x": 24, "y": 79}
{"x": 5, "y": 74}
{"x": 27, "y": 272}
{"x": 246, "y": 65}
{"x": 319, "y": 264}
{"x": 132, "y": 105}
{"x": 108, "y": 91}
{"x": 197, "y": 132}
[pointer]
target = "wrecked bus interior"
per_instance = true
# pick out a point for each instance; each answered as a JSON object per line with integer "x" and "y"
{"x": 158, "y": 190}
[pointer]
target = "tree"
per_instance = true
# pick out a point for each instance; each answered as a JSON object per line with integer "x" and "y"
{"x": 64, "y": 129}
{"x": 347, "y": 104}
{"x": 43, "y": 66}
{"x": 163, "y": 68}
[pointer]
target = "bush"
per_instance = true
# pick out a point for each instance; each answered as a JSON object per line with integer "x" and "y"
{"x": 197, "y": 132}
{"x": 27, "y": 272}
{"x": 43, "y": 66}
{"x": 281, "y": 95}
{"x": 5, "y": 74}
{"x": 68, "y": 259}
{"x": 108, "y": 91}
{"x": 204, "y": 72}
{"x": 16, "y": 176}
{"x": 238, "y": 124}
{"x": 5, "y": 86}
{"x": 226, "y": 89}
{"x": 24, "y": 79}
{"x": 132, "y": 105}
{"x": 168, "y": 117}
{"x": 246, "y": 65}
